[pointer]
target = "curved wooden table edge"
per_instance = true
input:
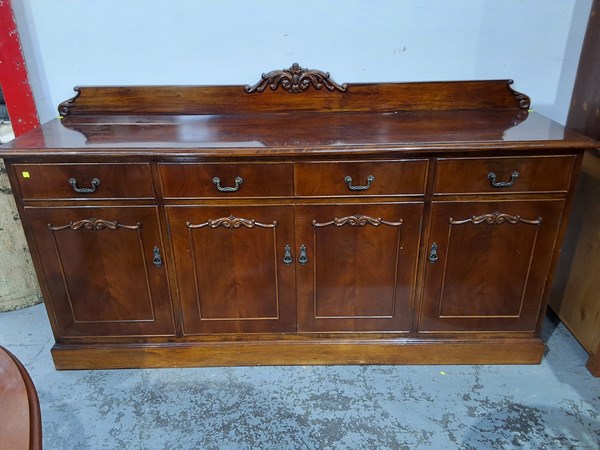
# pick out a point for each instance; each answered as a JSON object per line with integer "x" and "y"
{"x": 35, "y": 418}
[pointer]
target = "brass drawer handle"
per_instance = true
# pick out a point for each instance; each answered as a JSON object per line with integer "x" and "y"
{"x": 433, "y": 256}
{"x": 157, "y": 259}
{"x": 217, "y": 183}
{"x": 95, "y": 184}
{"x": 348, "y": 180}
{"x": 503, "y": 184}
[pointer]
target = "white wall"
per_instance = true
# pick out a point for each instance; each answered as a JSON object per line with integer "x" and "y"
{"x": 114, "y": 42}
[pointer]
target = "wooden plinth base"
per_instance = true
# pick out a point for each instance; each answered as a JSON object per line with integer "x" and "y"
{"x": 315, "y": 352}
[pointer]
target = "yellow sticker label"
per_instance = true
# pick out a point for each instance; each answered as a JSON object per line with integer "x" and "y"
{"x": 26, "y": 175}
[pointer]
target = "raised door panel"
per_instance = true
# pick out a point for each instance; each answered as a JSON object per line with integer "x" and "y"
{"x": 234, "y": 268}
{"x": 488, "y": 263}
{"x": 103, "y": 270}
{"x": 359, "y": 268}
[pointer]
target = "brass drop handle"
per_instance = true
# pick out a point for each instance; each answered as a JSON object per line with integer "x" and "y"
{"x": 503, "y": 184}
{"x": 217, "y": 182}
{"x": 157, "y": 259}
{"x": 303, "y": 258}
{"x": 433, "y": 256}
{"x": 348, "y": 181}
{"x": 95, "y": 184}
{"x": 287, "y": 255}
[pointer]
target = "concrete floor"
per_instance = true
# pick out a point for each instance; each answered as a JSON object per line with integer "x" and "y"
{"x": 555, "y": 405}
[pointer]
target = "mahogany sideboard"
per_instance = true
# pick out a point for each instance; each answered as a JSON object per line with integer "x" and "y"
{"x": 295, "y": 221}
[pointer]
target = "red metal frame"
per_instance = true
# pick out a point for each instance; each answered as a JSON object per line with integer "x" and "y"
{"x": 13, "y": 74}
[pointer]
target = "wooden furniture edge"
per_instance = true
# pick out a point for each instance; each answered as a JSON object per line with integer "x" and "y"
{"x": 161, "y": 154}
{"x": 568, "y": 285}
{"x": 559, "y": 242}
{"x": 593, "y": 362}
{"x": 213, "y": 354}
{"x": 35, "y": 418}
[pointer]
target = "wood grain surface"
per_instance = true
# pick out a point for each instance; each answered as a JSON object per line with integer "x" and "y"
{"x": 20, "y": 418}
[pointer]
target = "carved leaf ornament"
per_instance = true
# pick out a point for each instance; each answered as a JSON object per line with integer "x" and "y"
{"x": 231, "y": 222}
{"x": 296, "y": 80}
{"x": 94, "y": 224}
{"x": 357, "y": 220}
{"x": 496, "y": 218}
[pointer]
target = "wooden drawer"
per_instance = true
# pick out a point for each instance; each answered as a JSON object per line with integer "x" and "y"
{"x": 367, "y": 178}
{"x": 503, "y": 175}
{"x": 223, "y": 180}
{"x": 84, "y": 181}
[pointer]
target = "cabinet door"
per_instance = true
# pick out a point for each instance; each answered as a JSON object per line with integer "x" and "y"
{"x": 103, "y": 270}
{"x": 360, "y": 265}
{"x": 234, "y": 268}
{"x": 488, "y": 263}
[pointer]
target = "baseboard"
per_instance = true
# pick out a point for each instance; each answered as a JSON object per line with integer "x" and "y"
{"x": 313, "y": 352}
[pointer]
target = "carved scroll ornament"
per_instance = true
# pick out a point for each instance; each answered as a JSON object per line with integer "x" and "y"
{"x": 231, "y": 222}
{"x": 496, "y": 218}
{"x": 64, "y": 109}
{"x": 357, "y": 220}
{"x": 94, "y": 224}
{"x": 523, "y": 100}
{"x": 296, "y": 80}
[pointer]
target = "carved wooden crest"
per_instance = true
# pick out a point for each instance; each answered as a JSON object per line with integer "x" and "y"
{"x": 296, "y": 80}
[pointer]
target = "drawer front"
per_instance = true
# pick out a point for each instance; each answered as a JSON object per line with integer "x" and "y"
{"x": 235, "y": 180}
{"x": 503, "y": 175}
{"x": 367, "y": 178}
{"x": 84, "y": 181}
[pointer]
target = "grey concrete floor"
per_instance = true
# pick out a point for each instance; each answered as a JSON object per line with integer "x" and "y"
{"x": 555, "y": 405}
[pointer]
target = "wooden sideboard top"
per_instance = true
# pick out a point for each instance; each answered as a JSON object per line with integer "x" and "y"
{"x": 362, "y": 119}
